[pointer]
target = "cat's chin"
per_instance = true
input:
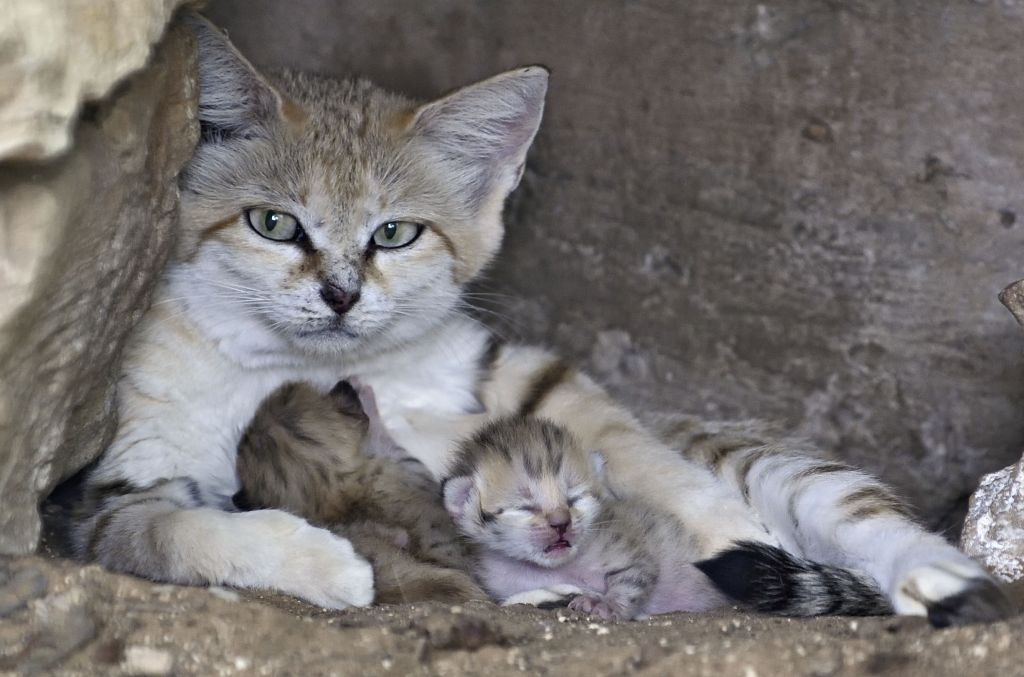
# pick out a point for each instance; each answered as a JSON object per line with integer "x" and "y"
{"x": 327, "y": 340}
{"x": 331, "y": 333}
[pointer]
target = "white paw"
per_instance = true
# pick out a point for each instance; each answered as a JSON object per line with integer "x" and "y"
{"x": 316, "y": 565}
{"x": 553, "y": 595}
{"x": 951, "y": 592}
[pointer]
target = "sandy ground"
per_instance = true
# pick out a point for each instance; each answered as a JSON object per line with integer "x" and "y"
{"x": 59, "y": 617}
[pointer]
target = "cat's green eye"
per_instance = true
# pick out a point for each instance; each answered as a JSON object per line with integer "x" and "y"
{"x": 395, "y": 234}
{"x": 274, "y": 225}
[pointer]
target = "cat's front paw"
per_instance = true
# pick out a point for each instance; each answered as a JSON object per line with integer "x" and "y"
{"x": 599, "y": 606}
{"x": 314, "y": 564}
{"x": 952, "y": 593}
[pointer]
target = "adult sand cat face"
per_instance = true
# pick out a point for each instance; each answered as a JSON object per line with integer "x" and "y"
{"x": 335, "y": 217}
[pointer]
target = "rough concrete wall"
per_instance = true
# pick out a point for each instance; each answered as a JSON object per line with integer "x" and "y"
{"x": 82, "y": 238}
{"x": 799, "y": 210}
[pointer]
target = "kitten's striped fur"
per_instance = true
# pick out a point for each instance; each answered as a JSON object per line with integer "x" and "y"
{"x": 520, "y": 476}
{"x": 626, "y": 558}
{"x": 238, "y": 315}
{"x": 319, "y": 458}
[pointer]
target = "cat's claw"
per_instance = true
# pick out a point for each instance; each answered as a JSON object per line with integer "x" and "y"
{"x": 952, "y": 593}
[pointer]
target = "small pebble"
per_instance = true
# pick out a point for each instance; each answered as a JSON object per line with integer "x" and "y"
{"x": 224, "y": 593}
{"x": 145, "y": 660}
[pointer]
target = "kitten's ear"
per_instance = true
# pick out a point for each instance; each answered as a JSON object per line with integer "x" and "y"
{"x": 599, "y": 464}
{"x": 482, "y": 131}
{"x": 346, "y": 399}
{"x": 234, "y": 99}
{"x": 457, "y": 492}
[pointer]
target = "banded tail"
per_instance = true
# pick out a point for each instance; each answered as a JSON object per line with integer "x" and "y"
{"x": 770, "y": 580}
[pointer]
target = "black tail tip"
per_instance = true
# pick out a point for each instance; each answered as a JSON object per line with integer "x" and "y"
{"x": 751, "y": 573}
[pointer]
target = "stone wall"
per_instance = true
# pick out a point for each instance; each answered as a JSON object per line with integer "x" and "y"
{"x": 82, "y": 235}
{"x": 797, "y": 210}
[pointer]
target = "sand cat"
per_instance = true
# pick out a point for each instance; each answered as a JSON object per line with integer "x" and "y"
{"x": 327, "y": 231}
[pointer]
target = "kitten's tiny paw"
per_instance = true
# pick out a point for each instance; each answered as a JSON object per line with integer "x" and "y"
{"x": 952, "y": 593}
{"x": 595, "y": 605}
{"x": 551, "y": 597}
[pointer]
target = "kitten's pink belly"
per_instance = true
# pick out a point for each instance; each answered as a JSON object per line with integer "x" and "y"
{"x": 682, "y": 587}
{"x": 503, "y": 578}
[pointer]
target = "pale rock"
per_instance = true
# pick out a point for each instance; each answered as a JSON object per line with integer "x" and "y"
{"x": 994, "y": 530}
{"x": 58, "y": 54}
{"x": 145, "y": 660}
{"x": 82, "y": 240}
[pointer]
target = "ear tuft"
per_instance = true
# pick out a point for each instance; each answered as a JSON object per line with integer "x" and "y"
{"x": 234, "y": 99}
{"x": 485, "y": 129}
{"x": 457, "y": 492}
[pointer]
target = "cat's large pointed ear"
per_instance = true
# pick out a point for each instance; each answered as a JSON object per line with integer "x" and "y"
{"x": 482, "y": 132}
{"x": 234, "y": 99}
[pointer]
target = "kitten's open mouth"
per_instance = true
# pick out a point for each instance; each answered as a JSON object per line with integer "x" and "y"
{"x": 558, "y": 546}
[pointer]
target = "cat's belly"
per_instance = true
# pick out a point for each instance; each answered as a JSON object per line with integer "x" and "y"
{"x": 682, "y": 587}
{"x": 430, "y": 431}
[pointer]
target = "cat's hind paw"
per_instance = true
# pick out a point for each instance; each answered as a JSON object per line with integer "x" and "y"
{"x": 952, "y": 593}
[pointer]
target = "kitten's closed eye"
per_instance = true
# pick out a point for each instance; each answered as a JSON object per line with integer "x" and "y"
{"x": 576, "y": 498}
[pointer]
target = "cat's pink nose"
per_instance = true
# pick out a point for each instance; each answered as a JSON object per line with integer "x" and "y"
{"x": 559, "y": 520}
{"x": 337, "y": 299}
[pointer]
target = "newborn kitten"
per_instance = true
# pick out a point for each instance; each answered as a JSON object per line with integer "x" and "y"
{"x": 327, "y": 460}
{"x": 536, "y": 504}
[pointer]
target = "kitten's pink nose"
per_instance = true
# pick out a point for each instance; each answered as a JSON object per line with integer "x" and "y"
{"x": 559, "y": 520}
{"x": 337, "y": 299}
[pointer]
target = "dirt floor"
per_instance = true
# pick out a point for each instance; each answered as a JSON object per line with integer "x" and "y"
{"x": 57, "y": 617}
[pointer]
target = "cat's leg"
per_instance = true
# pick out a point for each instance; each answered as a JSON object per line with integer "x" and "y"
{"x": 834, "y": 514}
{"x": 639, "y": 466}
{"x": 168, "y": 532}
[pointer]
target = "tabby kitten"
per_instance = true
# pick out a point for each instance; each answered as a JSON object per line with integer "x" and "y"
{"x": 535, "y": 503}
{"x": 327, "y": 459}
{"x": 327, "y": 231}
